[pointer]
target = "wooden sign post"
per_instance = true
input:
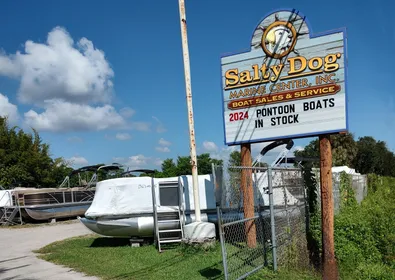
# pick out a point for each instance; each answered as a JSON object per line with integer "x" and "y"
{"x": 248, "y": 194}
{"x": 329, "y": 271}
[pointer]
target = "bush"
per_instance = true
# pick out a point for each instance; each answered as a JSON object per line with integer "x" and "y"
{"x": 365, "y": 233}
{"x": 374, "y": 271}
{"x": 354, "y": 239}
{"x": 379, "y": 209}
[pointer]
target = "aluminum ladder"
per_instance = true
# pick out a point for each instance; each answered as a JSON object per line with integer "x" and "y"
{"x": 9, "y": 215}
{"x": 9, "y": 212}
{"x": 169, "y": 223}
{"x": 169, "y": 228}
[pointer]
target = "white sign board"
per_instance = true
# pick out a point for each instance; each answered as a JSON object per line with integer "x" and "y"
{"x": 291, "y": 84}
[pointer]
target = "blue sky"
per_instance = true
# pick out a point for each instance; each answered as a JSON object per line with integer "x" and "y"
{"x": 131, "y": 51}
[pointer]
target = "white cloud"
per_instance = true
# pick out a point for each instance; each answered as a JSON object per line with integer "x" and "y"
{"x": 123, "y": 136}
{"x": 224, "y": 152}
{"x": 164, "y": 142}
{"x": 74, "y": 139}
{"x": 298, "y": 148}
{"x": 160, "y": 128}
{"x": 8, "y": 110}
{"x": 158, "y": 162}
{"x": 60, "y": 69}
{"x": 139, "y": 161}
{"x": 64, "y": 116}
{"x": 164, "y": 146}
{"x": 209, "y": 146}
{"x": 70, "y": 83}
{"x": 77, "y": 160}
{"x": 127, "y": 112}
{"x": 141, "y": 126}
{"x": 162, "y": 149}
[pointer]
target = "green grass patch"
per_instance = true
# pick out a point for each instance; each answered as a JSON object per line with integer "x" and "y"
{"x": 111, "y": 258}
{"x": 285, "y": 274}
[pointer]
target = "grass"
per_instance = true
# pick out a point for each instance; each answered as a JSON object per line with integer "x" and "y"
{"x": 109, "y": 258}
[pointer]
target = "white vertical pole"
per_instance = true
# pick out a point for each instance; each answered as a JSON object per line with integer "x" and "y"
{"x": 184, "y": 38}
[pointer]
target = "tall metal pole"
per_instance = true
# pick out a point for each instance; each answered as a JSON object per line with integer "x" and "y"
{"x": 184, "y": 38}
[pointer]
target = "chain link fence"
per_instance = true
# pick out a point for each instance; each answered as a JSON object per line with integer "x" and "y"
{"x": 261, "y": 213}
{"x": 359, "y": 184}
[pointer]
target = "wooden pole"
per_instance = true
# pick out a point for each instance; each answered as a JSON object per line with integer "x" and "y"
{"x": 330, "y": 271}
{"x": 248, "y": 194}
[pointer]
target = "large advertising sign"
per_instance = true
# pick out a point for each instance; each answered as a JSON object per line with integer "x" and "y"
{"x": 291, "y": 84}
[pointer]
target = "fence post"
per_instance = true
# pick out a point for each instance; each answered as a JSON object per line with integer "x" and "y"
{"x": 221, "y": 239}
{"x": 285, "y": 185}
{"x": 218, "y": 193}
{"x": 248, "y": 195}
{"x": 260, "y": 208}
{"x": 272, "y": 224}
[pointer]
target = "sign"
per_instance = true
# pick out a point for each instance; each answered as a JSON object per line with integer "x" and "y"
{"x": 291, "y": 84}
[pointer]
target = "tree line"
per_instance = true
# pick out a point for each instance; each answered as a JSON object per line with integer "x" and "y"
{"x": 366, "y": 155}
{"x": 26, "y": 161}
{"x": 183, "y": 166}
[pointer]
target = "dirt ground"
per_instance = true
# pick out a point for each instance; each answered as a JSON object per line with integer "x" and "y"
{"x": 17, "y": 261}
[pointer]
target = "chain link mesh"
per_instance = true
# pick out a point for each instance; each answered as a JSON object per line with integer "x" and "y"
{"x": 290, "y": 218}
{"x": 245, "y": 218}
{"x": 358, "y": 183}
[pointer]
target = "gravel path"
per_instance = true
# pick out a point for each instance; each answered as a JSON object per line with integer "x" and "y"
{"x": 17, "y": 261}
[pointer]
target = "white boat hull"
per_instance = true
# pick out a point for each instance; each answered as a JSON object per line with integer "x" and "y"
{"x": 142, "y": 227}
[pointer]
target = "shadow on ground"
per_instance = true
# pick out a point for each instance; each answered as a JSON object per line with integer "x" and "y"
{"x": 4, "y": 270}
{"x": 110, "y": 242}
{"x": 115, "y": 242}
{"x": 212, "y": 272}
{"x": 142, "y": 273}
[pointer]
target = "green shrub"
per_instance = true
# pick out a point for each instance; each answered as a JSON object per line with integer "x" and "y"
{"x": 354, "y": 239}
{"x": 347, "y": 194}
{"x": 379, "y": 209}
{"x": 373, "y": 271}
{"x": 365, "y": 233}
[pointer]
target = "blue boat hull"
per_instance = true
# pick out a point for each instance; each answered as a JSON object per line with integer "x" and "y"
{"x": 54, "y": 211}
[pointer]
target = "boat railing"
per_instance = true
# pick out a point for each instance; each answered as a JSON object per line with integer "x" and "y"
{"x": 43, "y": 200}
{"x": 66, "y": 180}
{"x": 92, "y": 181}
{"x": 9, "y": 196}
{"x": 89, "y": 197}
{"x": 10, "y": 212}
{"x": 58, "y": 197}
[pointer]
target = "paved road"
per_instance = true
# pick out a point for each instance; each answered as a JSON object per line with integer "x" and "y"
{"x": 17, "y": 261}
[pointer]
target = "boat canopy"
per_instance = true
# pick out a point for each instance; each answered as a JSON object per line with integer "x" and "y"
{"x": 133, "y": 195}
